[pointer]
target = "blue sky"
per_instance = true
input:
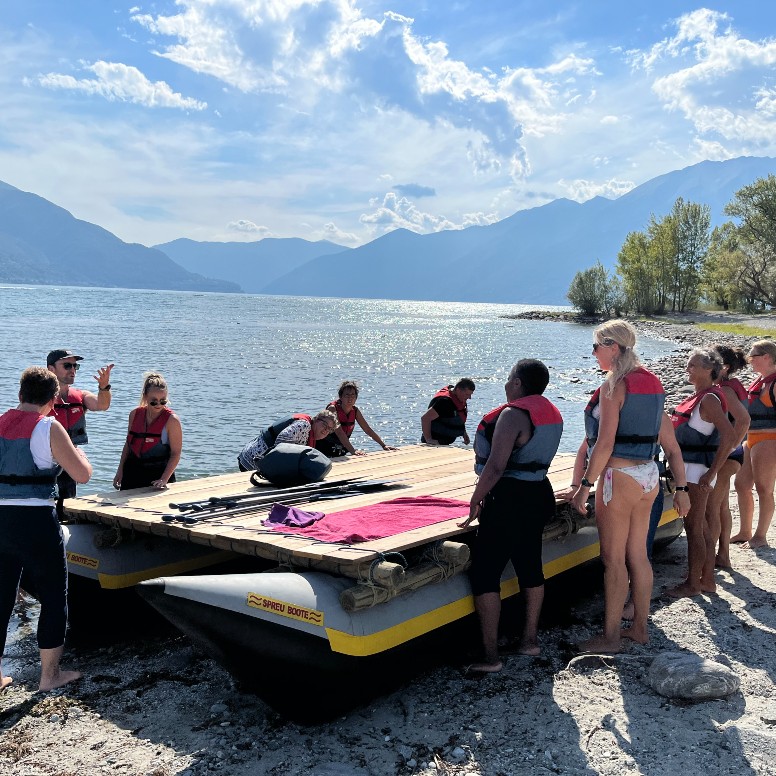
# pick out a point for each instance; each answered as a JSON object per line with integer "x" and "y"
{"x": 341, "y": 120}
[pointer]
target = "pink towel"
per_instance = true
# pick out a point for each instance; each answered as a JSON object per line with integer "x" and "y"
{"x": 363, "y": 524}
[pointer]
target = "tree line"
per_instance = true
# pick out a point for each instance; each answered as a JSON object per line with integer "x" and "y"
{"x": 679, "y": 261}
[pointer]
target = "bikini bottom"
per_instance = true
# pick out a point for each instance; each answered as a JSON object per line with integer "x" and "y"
{"x": 646, "y": 474}
{"x": 755, "y": 437}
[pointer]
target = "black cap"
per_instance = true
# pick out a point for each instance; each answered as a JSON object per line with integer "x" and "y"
{"x": 57, "y": 355}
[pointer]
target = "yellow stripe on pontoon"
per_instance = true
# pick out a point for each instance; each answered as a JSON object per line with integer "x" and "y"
{"x": 117, "y": 581}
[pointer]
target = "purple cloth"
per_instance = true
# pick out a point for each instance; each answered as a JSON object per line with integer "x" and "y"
{"x": 280, "y": 514}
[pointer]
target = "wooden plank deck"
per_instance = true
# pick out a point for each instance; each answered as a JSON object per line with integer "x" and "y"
{"x": 423, "y": 470}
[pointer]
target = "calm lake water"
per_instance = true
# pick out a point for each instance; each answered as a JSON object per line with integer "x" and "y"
{"x": 235, "y": 363}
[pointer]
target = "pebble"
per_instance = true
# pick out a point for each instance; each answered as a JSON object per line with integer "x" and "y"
{"x": 689, "y": 676}
{"x": 218, "y": 708}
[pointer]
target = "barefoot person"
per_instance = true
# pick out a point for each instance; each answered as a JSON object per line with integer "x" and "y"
{"x": 706, "y": 438}
{"x": 759, "y": 469}
{"x": 338, "y": 442}
{"x": 622, "y": 425}
{"x": 718, "y": 507}
{"x": 32, "y": 449}
{"x": 154, "y": 442}
{"x": 514, "y": 446}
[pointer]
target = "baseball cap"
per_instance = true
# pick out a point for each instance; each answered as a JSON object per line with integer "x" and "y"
{"x": 56, "y": 355}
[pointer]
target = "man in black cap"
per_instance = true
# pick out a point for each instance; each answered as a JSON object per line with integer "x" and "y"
{"x": 71, "y": 405}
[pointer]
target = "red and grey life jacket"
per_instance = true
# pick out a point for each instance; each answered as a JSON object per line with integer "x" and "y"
{"x": 531, "y": 460}
{"x": 762, "y": 415}
{"x": 640, "y": 417}
{"x": 447, "y": 430}
{"x": 696, "y": 447}
{"x": 72, "y": 415}
{"x": 146, "y": 443}
{"x": 347, "y": 420}
{"x": 20, "y": 478}
{"x": 738, "y": 389}
{"x": 271, "y": 434}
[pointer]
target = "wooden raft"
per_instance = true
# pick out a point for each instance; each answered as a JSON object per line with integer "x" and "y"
{"x": 423, "y": 470}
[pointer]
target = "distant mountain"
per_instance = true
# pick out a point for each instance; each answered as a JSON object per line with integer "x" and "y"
{"x": 44, "y": 244}
{"x": 529, "y": 257}
{"x": 252, "y": 265}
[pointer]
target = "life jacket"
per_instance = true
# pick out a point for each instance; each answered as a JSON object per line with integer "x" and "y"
{"x": 531, "y": 460}
{"x": 762, "y": 415}
{"x": 447, "y": 430}
{"x": 347, "y": 420}
{"x": 736, "y": 386}
{"x": 20, "y": 478}
{"x": 696, "y": 447}
{"x": 271, "y": 434}
{"x": 72, "y": 415}
{"x": 146, "y": 443}
{"x": 642, "y": 411}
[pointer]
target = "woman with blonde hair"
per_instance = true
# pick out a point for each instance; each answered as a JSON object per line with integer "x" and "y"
{"x": 622, "y": 425}
{"x": 759, "y": 469}
{"x": 154, "y": 442}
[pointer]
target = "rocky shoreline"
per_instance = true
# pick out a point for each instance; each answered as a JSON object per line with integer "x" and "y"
{"x": 159, "y": 707}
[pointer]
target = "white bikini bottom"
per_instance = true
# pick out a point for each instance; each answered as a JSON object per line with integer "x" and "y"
{"x": 646, "y": 474}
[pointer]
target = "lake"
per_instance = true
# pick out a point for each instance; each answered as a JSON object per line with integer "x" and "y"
{"x": 236, "y": 363}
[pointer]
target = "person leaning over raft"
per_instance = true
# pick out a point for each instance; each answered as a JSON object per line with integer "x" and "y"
{"x": 337, "y": 444}
{"x": 72, "y": 404}
{"x": 706, "y": 439}
{"x": 445, "y": 419}
{"x": 154, "y": 442}
{"x": 514, "y": 446}
{"x": 297, "y": 430}
{"x": 622, "y": 425}
{"x": 759, "y": 469}
{"x": 32, "y": 449}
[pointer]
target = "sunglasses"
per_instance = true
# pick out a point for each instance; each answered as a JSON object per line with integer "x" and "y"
{"x": 154, "y": 403}
{"x": 606, "y": 343}
{"x": 68, "y": 365}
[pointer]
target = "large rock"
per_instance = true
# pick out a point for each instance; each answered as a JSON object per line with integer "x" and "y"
{"x": 689, "y": 676}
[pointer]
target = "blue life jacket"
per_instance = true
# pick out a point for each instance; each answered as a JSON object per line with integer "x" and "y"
{"x": 531, "y": 460}
{"x": 640, "y": 417}
{"x": 761, "y": 414}
{"x": 696, "y": 447}
{"x": 20, "y": 478}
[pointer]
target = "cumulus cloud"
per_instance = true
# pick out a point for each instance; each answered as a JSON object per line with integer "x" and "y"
{"x": 116, "y": 81}
{"x": 414, "y": 190}
{"x": 394, "y": 212}
{"x": 582, "y": 190}
{"x": 319, "y": 49}
{"x": 248, "y": 227}
{"x": 706, "y": 71}
{"x": 336, "y": 235}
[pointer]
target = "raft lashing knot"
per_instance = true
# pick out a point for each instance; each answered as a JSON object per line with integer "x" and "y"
{"x": 383, "y": 572}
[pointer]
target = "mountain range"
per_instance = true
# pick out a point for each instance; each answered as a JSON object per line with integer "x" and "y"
{"x": 529, "y": 257}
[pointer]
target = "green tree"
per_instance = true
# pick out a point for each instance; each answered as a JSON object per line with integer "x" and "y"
{"x": 636, "y": 270}
{"x": 590, "y": 291}
{"x": 692, "y": 223}
{"x": 755, "y": 206}
{"x": 725, "y": 263}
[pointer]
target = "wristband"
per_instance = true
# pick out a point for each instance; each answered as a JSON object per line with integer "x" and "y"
{"x": 585, "y": 483}
{"x": 685, "y": 488}
{"x": 105, "y": 387}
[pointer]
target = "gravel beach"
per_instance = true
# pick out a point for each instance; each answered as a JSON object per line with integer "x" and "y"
{"x": 158, "y": 707}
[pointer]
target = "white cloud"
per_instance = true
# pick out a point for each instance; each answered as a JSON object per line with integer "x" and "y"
{"x": 610, "y": 120}
{"x": 336, "y": 235}
{"x": 249, "y": 227}
{"x": 582, "y": 190}
{"x": 713, "y": 85}
{"x": 395, "y": 212}
{"x": 116, "y": 81}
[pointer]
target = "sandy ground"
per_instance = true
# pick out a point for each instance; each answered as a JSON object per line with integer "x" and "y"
{"x": 157, "y": 707}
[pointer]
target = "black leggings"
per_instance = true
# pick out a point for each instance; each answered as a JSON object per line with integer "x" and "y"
{"x": 31, "y": 539}
{"x": 511, "y": 523}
